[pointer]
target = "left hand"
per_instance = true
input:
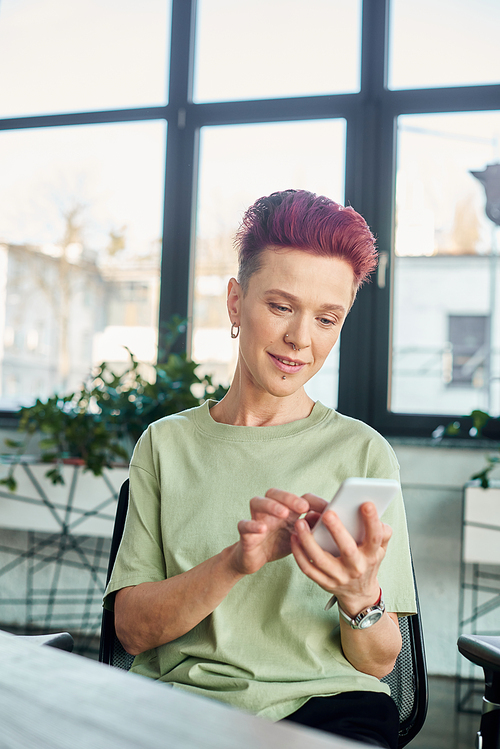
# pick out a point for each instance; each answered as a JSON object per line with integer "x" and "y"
{"x": 266, "y": 537}
{"x": 352, "y": 576}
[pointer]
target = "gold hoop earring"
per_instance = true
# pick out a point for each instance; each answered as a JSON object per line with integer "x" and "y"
{"x": 233, "y": 333}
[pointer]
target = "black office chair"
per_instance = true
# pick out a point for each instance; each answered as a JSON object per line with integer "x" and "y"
{"x": 111, "y": 651}
{"x": 484, "y": 651}
{"x": 408, "y": 680}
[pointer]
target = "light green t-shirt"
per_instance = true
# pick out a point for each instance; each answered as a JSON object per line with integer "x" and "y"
{"x": 270, "y": 645}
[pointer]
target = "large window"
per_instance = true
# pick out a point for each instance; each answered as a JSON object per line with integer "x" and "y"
{"x": 60, "y": 56}
{"x": 445, "y": 43}
{"x": 80, "y": 239}
{"x": 261, "y": 49}
{"x": 446, "y": 266}
{"x": 262, "y": 154}
{"x": 135, "y": 134}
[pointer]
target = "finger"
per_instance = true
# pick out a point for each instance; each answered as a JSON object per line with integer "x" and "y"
{"x": 292, "y": 501}
{"x": 251, "y": 527}
{"x": 312, "y": 518}
{"x": 268, "y": 507}
{"x": 317, "y": 556}
{"x": 327, "y": 582}
{"x": 374, "y": 534}
{"x": 347, "y": 546}
{"x": 315, "y": 503}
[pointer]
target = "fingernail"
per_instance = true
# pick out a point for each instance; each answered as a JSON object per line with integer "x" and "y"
{"x": 301, "y": 525}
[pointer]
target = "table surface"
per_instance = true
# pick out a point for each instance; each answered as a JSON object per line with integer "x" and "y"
{"x": 50, "y": 699}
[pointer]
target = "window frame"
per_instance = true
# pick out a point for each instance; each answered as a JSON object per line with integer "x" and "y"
{"x": 371, "y": 116}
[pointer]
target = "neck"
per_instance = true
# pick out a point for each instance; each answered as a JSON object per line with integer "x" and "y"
{"x": 249, "y": 406}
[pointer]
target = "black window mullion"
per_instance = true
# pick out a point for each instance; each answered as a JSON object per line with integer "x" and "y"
{"x": 181, "y": 170}
{"x": 364, "y": 133}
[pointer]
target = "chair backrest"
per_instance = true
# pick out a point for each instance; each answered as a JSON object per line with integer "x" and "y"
{"x": 407, "y": 681}
{"x": 111, "y": 651}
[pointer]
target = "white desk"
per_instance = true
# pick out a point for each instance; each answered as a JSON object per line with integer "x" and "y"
{"x": 55, "y": 700}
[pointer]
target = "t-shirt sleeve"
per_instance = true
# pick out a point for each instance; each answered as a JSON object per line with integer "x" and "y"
{"x": 140, "y": 556}
{"x": 396, "y": 573}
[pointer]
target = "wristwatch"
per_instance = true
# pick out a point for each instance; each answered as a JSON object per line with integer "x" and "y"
{"x": 365, "y": 618}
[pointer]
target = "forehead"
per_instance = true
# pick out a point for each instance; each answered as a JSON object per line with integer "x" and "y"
{"x": 322, "y": 280}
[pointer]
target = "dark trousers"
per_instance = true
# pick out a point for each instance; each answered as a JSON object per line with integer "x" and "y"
{"x": 369, "y": 717}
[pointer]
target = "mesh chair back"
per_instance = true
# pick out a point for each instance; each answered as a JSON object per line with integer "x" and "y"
{"x": 407, "y": 681}
{"x": 111, "y": 651}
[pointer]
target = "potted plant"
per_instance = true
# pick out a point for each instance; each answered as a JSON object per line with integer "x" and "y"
{"x": 57, "y": 509}
{"x": 98, "y": 425}
{"x": 477, "y": 425}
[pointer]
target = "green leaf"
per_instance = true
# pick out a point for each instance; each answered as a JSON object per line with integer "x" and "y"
{"x": 14, "y": 443}
{"x": 55, "y": 476}
{"x": 483, "y": 476}
{"x": 479, "y": 419}
{"x": 453, "y": 429}
{"x": 9, "y": 482}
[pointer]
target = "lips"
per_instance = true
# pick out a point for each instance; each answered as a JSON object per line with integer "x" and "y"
{"x": 284, "y": 364}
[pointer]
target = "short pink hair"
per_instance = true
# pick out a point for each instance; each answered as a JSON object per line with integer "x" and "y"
{"x": 304, "y": 221}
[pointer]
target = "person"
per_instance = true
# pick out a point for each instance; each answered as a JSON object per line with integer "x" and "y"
{"x": 237, "y": 609}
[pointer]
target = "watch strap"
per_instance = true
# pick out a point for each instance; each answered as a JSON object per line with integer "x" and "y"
{"x": 356, "y": 622}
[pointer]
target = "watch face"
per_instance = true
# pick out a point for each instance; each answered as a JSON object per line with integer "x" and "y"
{"x": 369, "y": 619}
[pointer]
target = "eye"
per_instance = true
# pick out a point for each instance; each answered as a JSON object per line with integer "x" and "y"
{"x": 327, "y": 322}
{"x": 278, "y": 307}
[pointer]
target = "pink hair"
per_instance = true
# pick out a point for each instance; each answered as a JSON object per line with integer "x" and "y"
{"x": 305, "y": 221}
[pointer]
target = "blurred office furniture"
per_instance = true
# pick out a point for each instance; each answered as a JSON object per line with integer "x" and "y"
{"x": 484, "y": 651}
{"x": 479, "y": 583}
{"x": 59, "y": 640}
{"x": 54, "y": 548}
{"x": 53, "y": 700}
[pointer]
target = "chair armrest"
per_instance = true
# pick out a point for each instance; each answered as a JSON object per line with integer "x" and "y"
{"x": 482, "y": 650}
{"x": 60, "y": 640}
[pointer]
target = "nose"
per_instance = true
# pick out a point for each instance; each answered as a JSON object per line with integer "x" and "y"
{"x": 298, "y": 335}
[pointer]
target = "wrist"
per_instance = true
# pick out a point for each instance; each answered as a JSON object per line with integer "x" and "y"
{"x": 231, "y": 561}
{"x": 352, "y": 605}
{"x": 365, "y": 618}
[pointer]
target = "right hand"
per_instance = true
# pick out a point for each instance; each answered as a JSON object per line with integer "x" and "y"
{"x": 266, "y": 537}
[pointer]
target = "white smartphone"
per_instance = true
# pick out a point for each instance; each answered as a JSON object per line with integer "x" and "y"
{"x": 346, "y": 503}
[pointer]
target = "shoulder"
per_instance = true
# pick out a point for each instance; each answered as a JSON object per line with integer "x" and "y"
{"x": 164, "y": 433}
{"x": 354, "y": 428}
{"x": 355, "y": 438}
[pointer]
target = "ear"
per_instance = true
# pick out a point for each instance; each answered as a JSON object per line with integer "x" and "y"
{"x": 234, "y": 297}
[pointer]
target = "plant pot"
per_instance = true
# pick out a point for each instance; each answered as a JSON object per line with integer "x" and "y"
{"x": 481, "y": 539}
{"x": 84, "y": 505}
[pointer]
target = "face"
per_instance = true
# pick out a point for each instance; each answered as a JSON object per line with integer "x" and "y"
{"x": 296, "y": 299}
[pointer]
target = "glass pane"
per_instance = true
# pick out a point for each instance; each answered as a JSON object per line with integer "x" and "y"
{"x": 59, "y": 56}
{"x": 445, "y": 43}
{"x": 261, "y": 49}
{"x": 80, "y": 225}
{"x": 238, "y": 165}
{"x": 446, "y": 338}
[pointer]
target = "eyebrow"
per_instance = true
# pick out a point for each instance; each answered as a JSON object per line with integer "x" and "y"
{"x": 293, "y": 298}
